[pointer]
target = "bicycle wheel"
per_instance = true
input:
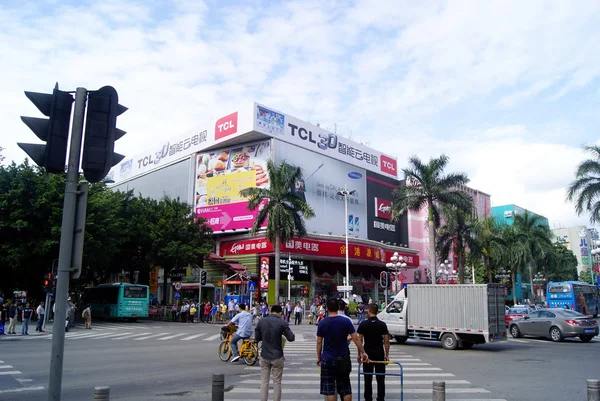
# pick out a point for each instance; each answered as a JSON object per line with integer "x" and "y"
{"x": 225, "y": 351}
{"x": 251, "y": 355}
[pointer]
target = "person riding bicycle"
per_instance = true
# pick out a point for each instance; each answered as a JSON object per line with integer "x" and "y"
{"x": 244, "y": 323}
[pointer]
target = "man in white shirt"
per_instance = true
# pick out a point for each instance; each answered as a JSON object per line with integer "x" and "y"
{"x": 244, "y": 324}
{"x": 231, "y": 309}
{"x": 40, "y": 311}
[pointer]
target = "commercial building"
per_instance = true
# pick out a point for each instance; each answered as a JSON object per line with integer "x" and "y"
{"x": 210, "y": 167}
{"x": 578, "y": 239}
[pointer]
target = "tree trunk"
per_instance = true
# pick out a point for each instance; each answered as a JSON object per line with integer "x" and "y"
{"x": 165, "y": 284}
{"x": 532, "y": 294}
{"x": 432, "y": 259}
{"x": 277, "y": 268}
{"x": 514, "y": 286}
{"x": 488, "y": 268}
{"x": 461, "y": 263}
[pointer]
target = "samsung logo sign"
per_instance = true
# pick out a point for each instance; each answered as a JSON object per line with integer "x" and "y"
{"x": 355, "y": 175}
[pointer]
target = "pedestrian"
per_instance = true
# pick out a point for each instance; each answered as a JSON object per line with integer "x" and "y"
{"x": 288, "y": 308}
{"x": 361, "y": 312}
{"x": 70, "y": 312}
{"x": 174, "y": 312}
{"x": 321, "y": 313}
{"x": 87, "y": 315}
{"x": 223, "y": 311}
{"x": 214, "y": 309}
{"x": 3, "y": 316}
{"x": 231, "y": 309}
{"x": 373, "y": 333}
{"x": 244, "y": 323}
{"x": 26, "y": 317}
{"x": 207, "y": 309}
{"x": 270, "y": 330}
{"x": 333, "y": 355}
{"x": 298, "y": 314}
{"x": 192, "y": 313}
{"x": 40, "y": 316}
{"x": 12, "y": 318}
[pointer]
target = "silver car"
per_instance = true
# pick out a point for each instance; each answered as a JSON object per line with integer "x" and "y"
{"x": 557, "y": 324}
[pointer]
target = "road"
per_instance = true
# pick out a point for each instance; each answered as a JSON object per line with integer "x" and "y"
{"x": 174, "y": 361}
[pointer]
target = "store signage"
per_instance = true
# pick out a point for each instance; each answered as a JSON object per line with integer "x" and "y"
{"x": 226, "y": 126}
{"x": 316, "y": 247}
{"x": 388, "y": 165}
{"x": 383, "y": 208}
{"x": 298, "y": 266}
{"x": 384, "y": 226}
{"x": 355, "y": 175}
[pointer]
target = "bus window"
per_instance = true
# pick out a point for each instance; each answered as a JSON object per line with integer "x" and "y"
{"x": 135, "y": 292}
{"x": 558, "y": 289}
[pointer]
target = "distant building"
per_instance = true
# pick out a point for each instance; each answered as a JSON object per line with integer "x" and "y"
{"x": 579, "y": 240}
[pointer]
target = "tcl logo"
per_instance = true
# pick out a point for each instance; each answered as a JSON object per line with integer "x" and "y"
{"x": 226, "y": 125}
{"x": 383, "y": 208}
{"x": 388, "y": 165}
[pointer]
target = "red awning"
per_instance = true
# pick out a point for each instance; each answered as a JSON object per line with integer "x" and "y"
{"x": 236, "y": 267}
{"x": 233, "y": 264}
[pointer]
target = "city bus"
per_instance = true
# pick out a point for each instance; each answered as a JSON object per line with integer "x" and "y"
{"x": 575, "y": 295}
{"x": 118, "y": 301}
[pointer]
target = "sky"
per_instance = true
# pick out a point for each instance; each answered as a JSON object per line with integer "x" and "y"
{"x": 509, "y": 90}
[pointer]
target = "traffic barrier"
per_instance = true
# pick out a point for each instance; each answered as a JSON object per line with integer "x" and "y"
{"x": 102, "y": 393}
{"x": 218, "y": 387}
{"x": 439, "y": 391}
{"x": 593, "y": 390}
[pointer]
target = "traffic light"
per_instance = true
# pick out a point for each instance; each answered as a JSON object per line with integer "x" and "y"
{"x": 101, "y": 132}
{"x": 47, "y": 282}
{"x": 383, "y": 279}
{"x": 54, "y": 131}
{"x": 203, "y": 277}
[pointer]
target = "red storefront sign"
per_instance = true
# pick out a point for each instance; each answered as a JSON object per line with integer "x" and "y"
{"x": 317, "y": 247}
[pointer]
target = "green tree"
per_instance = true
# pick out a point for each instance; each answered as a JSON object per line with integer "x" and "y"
{"x": 1, "y": 157}
{"x": 585, "y": 276}
{"x": 426, "y": 186}
{"x": 487, "y": 245}
{"x": 281, "y": 207}
{"x": 585, "y": 189}
{"x": 560, "y": 264}
{"x": 535, "y": 238}
{"x": 456, "y": 236}
{"x": 513, "y": 254}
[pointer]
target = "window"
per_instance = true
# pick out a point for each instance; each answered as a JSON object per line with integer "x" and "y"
{"x": 549, "y": 315}
{"x": 535, "y": 315}
{"x": 558, "y": 289}
{"x": 135, "y": 292}
{"x": 395, "y": 307}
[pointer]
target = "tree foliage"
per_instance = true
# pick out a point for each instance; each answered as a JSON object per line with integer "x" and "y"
{"x": 457, "y": 236}
{"x": 585, "y": 189}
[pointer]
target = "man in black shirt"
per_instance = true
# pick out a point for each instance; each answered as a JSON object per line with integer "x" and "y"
{"x": 374, "y": 333}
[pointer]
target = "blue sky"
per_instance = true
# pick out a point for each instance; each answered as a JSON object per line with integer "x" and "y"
{"x": 509, "y": 90}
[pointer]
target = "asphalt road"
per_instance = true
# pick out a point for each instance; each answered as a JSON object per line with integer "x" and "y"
{"x": 174, "y": 361}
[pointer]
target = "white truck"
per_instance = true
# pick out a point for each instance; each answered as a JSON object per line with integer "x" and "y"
{"x": 457, "y": 315}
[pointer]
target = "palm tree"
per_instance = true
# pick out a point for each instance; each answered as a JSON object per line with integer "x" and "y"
{"x": 585, "y": 190}
{"x": 488, "y": 243}
{"x": 283, "y": 206}
{"x": 535, "y": 238}
{"x": 457, "y": 235}
{"x": 512, "y": 254}
{"x": 426, "y": 186}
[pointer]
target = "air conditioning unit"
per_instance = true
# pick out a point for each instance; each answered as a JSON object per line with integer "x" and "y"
{"x": 508, "y": 213}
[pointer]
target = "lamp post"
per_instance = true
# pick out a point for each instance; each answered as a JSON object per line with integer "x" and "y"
{"x": 290, "y": 277}
{"x": 396, "y": 262}
{"x": 503, "y": 275}
{"x": 540, "y": 281}
{"x": 446, "y": 271}
{"x": 595, "y": 257}
{"x": 345, "y": 193}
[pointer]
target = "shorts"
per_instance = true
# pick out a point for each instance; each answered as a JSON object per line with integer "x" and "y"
{"x": 332, "y": 379}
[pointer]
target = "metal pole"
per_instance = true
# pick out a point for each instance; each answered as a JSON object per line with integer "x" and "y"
{"x": 289, "y": 276}
{"x": 218, "y": 387}
{"x": 439, "y": 391}
{"x": 200, "y": 307}
{"x": 593, "y": 390}
{"x": 66, "y": 248}
{"x": 46, "y": 309}
{"x": 102, "y": 393}
{"x": 346, "y": 225}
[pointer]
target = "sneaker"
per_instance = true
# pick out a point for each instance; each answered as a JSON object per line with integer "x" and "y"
{"x": 235, "y": 358}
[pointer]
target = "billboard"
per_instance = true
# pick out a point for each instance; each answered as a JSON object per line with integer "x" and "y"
{"x": 305, "y": 135}
{"x": 324, "y": 177}
{"x": 379, "y": 211}
{"x": 220, "y": 176}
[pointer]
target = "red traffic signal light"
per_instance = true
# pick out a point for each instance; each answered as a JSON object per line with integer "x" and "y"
{"x": 383, "y": 279}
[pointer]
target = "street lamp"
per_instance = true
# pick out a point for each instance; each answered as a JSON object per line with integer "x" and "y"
{"x": 396, "y": 262}
{"x": 540, "y": 281}
{"x": 446, "y": 270}
{"x": 595, "y": 257}
{"x": 345, "y": 193}
{"x": 503, "y": 275}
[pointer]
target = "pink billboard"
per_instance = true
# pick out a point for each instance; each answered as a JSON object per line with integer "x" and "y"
{"x": 221, "y": 175}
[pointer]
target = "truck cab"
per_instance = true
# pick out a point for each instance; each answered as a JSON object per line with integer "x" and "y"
{"x": 394, "y": 315}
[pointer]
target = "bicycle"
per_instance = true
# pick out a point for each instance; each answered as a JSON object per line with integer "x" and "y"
{"x": 248, "y": 351}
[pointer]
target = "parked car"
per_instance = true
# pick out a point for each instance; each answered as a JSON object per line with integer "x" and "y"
{"x": 516, "y": 312}
{"x": 556, "y": 324}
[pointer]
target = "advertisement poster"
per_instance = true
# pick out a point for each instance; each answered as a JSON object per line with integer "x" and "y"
{"x": 264, "y": 273}
{"x": 323, "y": 179}
{"x": 381, "y": 227}
{"x": 221, "y": 175}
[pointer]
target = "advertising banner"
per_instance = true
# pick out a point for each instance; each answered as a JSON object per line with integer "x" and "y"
{"x": 316, "y": 247}
{"x": 323, "y": 179}
{"x": 379, "y": 211}
{"x": 300, "y": 269}
{"x": 221, "y": 175}
{"x": 300, "y": 133}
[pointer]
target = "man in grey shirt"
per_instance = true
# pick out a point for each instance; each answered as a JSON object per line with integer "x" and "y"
{"x": 270, "y": 330}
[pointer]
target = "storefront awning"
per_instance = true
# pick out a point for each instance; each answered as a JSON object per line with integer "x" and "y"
{"x": 233, "y": 264}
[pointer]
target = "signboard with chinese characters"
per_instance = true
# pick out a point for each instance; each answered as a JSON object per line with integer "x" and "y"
{"x": 316, "y": 139}
{"x": 316, "y": 247}
{"x": 323, "y": 179}
{"x": 220, "y": 176}
{"x": 300, "y": 268}
{"x": 379, "y": 211}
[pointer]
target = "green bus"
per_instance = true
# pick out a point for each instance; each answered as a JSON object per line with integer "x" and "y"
{"x": 118, "y": 301}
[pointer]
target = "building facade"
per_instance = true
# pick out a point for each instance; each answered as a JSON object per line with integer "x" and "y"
{"x": 578, "y": 239}
{"x": 209, "y": 168}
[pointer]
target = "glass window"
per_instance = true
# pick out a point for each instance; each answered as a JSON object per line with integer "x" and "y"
{"x": 395, "y": 307}
{"x": 556, "y": 289}
{"x": 518, "y": 311}
{"x": 550, "y": 315}
{"x": 535, "y": 315}
{"x": 135, "y": 292}
{"x": 570, "y": 313}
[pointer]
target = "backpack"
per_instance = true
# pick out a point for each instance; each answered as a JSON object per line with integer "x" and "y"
{"x": 84, "y": 314}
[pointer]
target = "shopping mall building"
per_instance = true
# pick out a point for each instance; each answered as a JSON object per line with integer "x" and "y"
{"x": 210, "y": 167}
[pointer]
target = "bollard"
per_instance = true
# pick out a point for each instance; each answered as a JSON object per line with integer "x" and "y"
{"x": 593, "y": 390}
{"x": 102, "y": 393}
{"x": 439, "y": 391}
{"x": 218, "y": 387}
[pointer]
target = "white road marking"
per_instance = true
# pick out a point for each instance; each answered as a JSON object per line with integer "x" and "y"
{"x": 171, "y": 337}
{"x": 192, "y": 337}
{"x": 18, "y": 390}
{"x": 129, "y": 336}
{"x": 10, "y": 372}
{"x": 212, "y": 337}
{"x": 153, "y": 335}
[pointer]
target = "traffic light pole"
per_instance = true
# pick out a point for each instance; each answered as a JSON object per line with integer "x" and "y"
{"x": 66, "y": 248}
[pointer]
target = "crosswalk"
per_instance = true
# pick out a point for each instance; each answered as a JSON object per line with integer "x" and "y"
{"x": 12, "y": 381}
{"x": 301, "y": 378}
